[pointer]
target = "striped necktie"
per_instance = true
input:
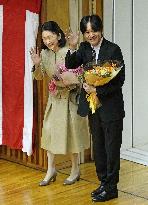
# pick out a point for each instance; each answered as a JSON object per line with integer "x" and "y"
{"x": 93, "y": 54}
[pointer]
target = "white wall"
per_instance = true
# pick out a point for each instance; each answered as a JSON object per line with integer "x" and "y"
{"x": 117, "y": 28}
{"x": 140, "y": 72}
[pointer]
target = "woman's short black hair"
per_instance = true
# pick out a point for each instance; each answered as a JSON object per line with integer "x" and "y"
{"x": 54, "y": 28}
{"x": 95, "y": 21}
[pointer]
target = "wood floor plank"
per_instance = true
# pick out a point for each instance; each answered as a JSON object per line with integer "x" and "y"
{"x": 19, "y": 186}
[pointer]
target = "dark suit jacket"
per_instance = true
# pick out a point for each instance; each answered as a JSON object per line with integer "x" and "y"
{"x": 110, "y": 95}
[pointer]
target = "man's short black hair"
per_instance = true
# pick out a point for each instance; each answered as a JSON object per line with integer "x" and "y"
{"x": 95, "y": 21}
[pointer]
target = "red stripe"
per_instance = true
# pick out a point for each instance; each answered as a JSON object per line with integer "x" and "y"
{"x": 13, "y": 61}
{"x": 33, "y": 6}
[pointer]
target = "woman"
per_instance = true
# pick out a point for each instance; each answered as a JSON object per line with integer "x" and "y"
{"x": 60, "y": 132}
{"x": 106, "y": 123}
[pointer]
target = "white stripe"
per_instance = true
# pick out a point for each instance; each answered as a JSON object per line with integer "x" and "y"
{"x": 1, "y": 33}
{"x": 31, "y": 30}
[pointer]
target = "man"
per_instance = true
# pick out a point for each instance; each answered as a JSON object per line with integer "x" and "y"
{"x": 107, "y": 122}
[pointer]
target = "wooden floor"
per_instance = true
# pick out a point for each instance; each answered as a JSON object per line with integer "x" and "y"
{"x": 19, "y": 186}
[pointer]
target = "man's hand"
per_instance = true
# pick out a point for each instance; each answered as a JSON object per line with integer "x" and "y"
{"x": 72, "y": 38}
{"x": 89, "y": 88}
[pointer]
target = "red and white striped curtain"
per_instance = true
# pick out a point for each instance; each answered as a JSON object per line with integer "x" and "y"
{"x": 19, "y": 21}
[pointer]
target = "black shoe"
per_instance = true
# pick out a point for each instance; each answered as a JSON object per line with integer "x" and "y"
{"x": 97, "y": 191}
{"x": 105, "y": 196}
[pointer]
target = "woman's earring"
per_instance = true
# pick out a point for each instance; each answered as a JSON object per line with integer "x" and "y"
{"x": 59, "y": 37}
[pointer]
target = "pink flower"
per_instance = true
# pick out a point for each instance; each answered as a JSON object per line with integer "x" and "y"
{"x": 52, "y": 87}
{"x": 66, "y": 76}
{"x": 62, "y": 68}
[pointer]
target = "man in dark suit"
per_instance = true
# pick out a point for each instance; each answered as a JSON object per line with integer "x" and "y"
{"x": 106, "y": 123}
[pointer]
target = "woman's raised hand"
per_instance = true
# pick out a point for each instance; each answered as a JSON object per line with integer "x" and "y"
{"x": 35, "y": 56}
{"x": 72, "y": 38}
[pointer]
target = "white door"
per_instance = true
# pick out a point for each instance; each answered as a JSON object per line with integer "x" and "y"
{"x": 125, "y": 23}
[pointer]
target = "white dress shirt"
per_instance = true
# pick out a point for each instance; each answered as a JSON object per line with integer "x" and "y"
{"x": 97, "y": 49}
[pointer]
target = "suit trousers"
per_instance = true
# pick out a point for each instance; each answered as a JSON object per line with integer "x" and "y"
{"x": 107, "y": 139}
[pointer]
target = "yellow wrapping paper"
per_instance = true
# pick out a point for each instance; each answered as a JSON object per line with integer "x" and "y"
{"x": 94, "y": 102}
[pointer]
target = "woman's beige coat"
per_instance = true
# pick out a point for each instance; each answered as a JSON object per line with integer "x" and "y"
{"x": 64, "y": 131}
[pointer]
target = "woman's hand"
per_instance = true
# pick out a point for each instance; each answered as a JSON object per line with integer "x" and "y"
{"x": 89, "y": 88}
{"x": 35, "y": 56}
{"x": 72, "y": 38}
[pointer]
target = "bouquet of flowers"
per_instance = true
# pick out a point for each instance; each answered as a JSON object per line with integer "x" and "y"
{"x": 64, "y": 77}
{"x": 98, "y": 75}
